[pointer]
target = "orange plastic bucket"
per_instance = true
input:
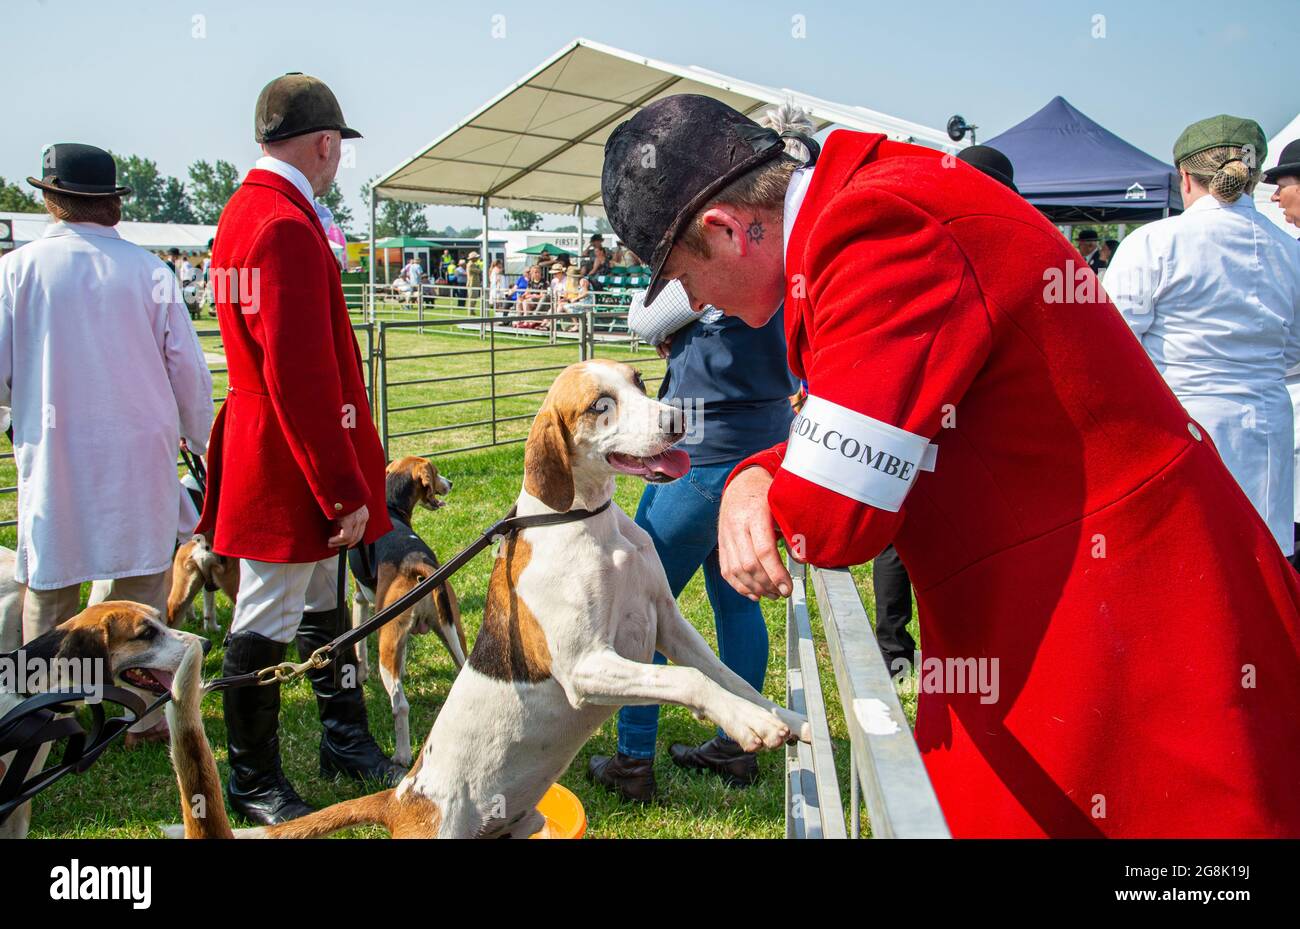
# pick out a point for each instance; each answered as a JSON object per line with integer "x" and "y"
{"x": 565, "y": 817}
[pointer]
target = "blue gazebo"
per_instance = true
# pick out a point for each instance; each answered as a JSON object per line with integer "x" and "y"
{"x": 1077, "y": 171}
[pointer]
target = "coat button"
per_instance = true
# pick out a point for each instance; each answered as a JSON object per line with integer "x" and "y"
{"x": 1196, "y": 433}
{"x": 339, "y": 506}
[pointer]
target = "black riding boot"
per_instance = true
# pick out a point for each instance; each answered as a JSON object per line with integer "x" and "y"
{"x": 720, "y": 755}
{"x": 257, "y": 789}
{"x": 346, "y": 745}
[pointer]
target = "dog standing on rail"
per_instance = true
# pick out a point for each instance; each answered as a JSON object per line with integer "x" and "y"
{"x": 574, "y": 613}
{"x": 386, "y": 571}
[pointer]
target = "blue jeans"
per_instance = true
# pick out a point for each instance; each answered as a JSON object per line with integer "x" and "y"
{"x": 682, "y": 519}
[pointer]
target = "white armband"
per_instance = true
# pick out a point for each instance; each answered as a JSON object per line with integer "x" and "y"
{"x": 854, "y": 455}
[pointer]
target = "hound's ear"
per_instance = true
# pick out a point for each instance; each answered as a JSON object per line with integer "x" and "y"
{"x": 548, "y": 466}
{"x": 87, "y": 642}
{"x": 429, "y": 478}
{"x": 400, "y": 486}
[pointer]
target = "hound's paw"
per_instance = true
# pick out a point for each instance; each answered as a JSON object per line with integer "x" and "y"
{"x": 797, "y": 722}
{"x": 755, "y": 728}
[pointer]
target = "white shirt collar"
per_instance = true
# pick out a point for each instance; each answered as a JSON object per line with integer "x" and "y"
{"x": 289, "y": 173}
{"x": 1208, "y": 202}
{"x": 57, "y": 227}
{"x": 299, "y": 180}
{"x": 794, "y": 194}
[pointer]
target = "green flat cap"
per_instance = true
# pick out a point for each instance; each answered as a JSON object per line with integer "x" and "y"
{"x": 297, "y": 104}
{"x": 1221, "y": 130}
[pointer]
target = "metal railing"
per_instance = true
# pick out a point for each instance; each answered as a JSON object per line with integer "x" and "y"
{"x": 388, "y": 301}
{"x": 885, "y": 766}
{"x": 480, "y": 395}
{"x": 488, "y": 327}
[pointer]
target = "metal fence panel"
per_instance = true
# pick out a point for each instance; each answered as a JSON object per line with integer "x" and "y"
{"x": 814, "y": 809}
{"x": 900, "y": 799}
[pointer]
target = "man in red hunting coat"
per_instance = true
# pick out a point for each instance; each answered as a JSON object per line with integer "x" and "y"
{"x": 1069, "y": 529}
{"x": 296, "y": 468}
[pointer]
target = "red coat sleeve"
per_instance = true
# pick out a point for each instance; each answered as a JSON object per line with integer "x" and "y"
{"x": 899, "y": 330}
{"x": 299, "y": 363}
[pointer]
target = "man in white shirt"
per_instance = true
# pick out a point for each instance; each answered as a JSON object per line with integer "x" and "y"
{"x": 1214, "y": 296}
{"x": 105, "y": 376}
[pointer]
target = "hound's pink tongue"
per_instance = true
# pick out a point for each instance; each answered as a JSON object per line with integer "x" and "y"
{"x": 672, "y": 463}
{"x": 162, "y": 677}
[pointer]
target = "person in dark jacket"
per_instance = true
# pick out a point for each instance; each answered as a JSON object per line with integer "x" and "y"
{"x": 733, "y": 387}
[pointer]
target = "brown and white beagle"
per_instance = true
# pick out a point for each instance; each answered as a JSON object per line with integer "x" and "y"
{"x": 574, "y": 613}
{"x": 397, "y": 562}
{"x": 195, "y": 567}
{"x": 125, "y": 643}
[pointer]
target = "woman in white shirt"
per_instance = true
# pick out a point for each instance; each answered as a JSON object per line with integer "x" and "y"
{"x": 1214, "y": 295}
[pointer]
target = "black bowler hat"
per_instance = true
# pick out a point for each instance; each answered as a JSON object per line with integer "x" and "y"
{"x": 663, "y": 165}
{"x": 297, "y": 104}
{"x": 992, "y": 162}
{"x": 79, "y": 171}
{"x": 1288, "y": 164}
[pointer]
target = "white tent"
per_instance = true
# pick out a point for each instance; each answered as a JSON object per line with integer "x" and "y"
{"x": 154, "y": 236}
{"x": 540, "y": 143}
{"x": 1264, "y": 191}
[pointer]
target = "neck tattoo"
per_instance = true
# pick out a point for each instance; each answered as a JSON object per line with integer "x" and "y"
{"x": 755, "y": 231}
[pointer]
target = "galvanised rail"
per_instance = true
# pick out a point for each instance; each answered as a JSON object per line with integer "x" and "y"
{"x": 885, "y": 766}
{"x": 388, "y": 301}
{"x": 501, "y": 339}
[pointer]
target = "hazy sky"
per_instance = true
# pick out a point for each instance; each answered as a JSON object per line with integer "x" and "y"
{"x": 130, "y": 75}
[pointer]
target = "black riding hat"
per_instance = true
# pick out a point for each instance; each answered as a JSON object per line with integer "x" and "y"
{"x": 296, "y": 104}
{"x": 78, "y": 171}
{"x": 992, "y": 162}
{"x": 665, "y": 163}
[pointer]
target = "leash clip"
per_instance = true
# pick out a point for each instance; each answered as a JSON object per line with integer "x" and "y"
{"x": 280, "y": 673}
{"x": 287, "y": 671}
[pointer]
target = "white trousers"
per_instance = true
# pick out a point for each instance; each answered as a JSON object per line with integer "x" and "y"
{"x": 272, "y": 597}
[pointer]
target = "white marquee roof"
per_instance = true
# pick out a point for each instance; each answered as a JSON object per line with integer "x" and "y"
{"x": 28, "y": 227}
{"x": 539, "y": 144}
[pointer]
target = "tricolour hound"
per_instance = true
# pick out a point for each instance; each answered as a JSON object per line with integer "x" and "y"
{"x": 387, "y": 571}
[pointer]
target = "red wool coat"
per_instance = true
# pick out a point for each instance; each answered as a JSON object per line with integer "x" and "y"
{"x": 1077, "y": 526}
{"x": 293, "y": 447}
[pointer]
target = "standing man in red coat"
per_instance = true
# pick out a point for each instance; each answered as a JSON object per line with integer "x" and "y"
{"x": 296, "y": 470}
{"x": 976, "y": 399}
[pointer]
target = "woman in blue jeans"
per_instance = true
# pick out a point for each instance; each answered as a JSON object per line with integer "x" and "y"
{"x": 722, "y": 373}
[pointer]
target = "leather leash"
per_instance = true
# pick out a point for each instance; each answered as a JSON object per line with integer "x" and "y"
{"x": 195, "y": 465}
{"x": 289, "y": 670}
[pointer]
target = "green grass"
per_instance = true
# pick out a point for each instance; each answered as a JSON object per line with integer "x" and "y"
{"x": 129, "y": 794}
